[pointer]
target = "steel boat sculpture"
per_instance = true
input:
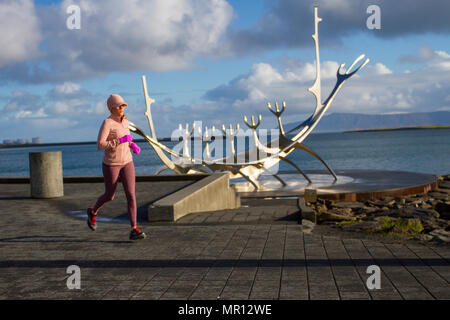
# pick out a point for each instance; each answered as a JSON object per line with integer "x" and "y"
{"x": 280, "y": 148}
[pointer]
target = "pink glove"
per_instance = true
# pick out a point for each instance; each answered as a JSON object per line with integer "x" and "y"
{"x": 135, "y": 148}
{"x": 126, "y": 138}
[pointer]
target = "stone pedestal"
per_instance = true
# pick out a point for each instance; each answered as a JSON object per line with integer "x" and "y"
{"x": 208, "y": 194}
{"x": 307, "y": 213}
{"x": 46, "y": 176}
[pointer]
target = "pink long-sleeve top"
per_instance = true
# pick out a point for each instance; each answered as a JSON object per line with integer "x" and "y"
{"x": 116, "y": 153}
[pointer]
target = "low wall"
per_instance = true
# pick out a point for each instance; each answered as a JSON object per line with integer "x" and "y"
{"x": 208, "y": 194}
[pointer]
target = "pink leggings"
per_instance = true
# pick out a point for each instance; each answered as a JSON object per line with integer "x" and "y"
{"x": 127, "y": 176}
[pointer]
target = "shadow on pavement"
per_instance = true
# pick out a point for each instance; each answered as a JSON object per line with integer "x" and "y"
{"x": 220, "y": 263}
{"x": 46, "y": 239}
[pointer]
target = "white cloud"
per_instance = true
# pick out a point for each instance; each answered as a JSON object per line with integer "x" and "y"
{"x": 67, "y": 99}
{"x": 67, "y": 88}
{"x": 442, "y": 54}
{"x": 29, "y": 114}
{"x": 60, "y": 107}
{"x": 119, "y": 35}
{"x": 70, "y": 107}
{"x": 440, "y": 61}
{"x": 99, "y": 107}
{"x": 21, "y": 104}
{"x": 19, "y": 31}
{"x": 437, "y": 59}
{"x": 378, "y": 69}
{"x": 376, "y": 90}
{"x": 53, "y": 124}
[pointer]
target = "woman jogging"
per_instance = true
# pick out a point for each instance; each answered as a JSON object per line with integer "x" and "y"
{"x": 114, "y": 137}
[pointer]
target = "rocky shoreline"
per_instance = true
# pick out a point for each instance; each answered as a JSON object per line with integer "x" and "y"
{"x": 423, "y": 217}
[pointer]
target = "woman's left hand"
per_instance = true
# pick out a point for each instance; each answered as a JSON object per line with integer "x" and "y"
{"x": 135, "y": 148}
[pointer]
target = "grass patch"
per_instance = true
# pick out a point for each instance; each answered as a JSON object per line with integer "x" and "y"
{"x": 345, "y": 223}
{"x": 401, "y": 227}
{"x": 388, "y": 224}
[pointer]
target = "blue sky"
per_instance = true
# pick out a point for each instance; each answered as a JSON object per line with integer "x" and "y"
{"x": 212, "y": 61}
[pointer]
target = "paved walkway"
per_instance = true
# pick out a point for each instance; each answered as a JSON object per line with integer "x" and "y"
{"x": 39, "y": 240}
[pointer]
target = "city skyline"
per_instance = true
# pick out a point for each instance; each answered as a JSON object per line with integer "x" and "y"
{"x": 20, "y": 141}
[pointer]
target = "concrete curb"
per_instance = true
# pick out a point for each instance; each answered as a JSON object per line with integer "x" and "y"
{"x": 209, "y": 194}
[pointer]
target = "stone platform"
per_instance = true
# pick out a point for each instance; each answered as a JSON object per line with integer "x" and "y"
{"x": 351, "y": 185}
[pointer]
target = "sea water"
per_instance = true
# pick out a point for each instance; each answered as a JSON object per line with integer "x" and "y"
{"x": 424, "y": 151}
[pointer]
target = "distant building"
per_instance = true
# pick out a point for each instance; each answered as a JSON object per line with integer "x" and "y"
{"x": 22, "y": 141}
{"x": 8, "y": 142}
{"x": 36, "y": 140}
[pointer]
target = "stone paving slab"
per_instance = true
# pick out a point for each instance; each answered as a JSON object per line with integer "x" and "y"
{"x": 39, "y": 240}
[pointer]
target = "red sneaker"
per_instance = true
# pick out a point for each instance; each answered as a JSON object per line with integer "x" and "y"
{"x": 91, "y": 220}
{"x": 137, "y": 234}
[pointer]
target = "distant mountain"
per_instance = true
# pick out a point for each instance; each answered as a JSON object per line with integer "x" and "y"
{"x": 355, "y": 121}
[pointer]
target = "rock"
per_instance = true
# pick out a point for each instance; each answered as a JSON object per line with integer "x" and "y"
{"x": 348, "y": 204}
{"x": 369, "y": 210}
{"x": 361, "y": 226}
{"x": 328, "y": 203}
{"x": 381, "y": 212}
{"x": 440, "y": 235}
{"x": 438, "y": 195}
{"x": 342, "y": 211}
{"x": 427, "y": 206}
{"x": 446, "y": 191}
{"x": 389, "y": 203}
{"x": 444, "y": 185}
{"x": 414, "y": 213}
{"x": 382, "y": 218}
{"x": 381, "y": 203}
{"x": 320, "y": 207}
{"x": 373, "y": 203}
{"x": 431, "y": 224}
{"x": 444, "y": 209}
{"x": 430, "y": 213}
{"x": 320, "y": 200}
{"x": 424, "y": 237}
{"x": 413, "y": 201}
{"x": 329, "y": 216}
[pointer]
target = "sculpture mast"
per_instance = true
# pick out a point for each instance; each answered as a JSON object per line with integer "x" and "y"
{"x": 315, "y": 89}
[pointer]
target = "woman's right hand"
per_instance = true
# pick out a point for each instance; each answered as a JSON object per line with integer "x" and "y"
{"x": 126, "y": 138}
{"x": 135, "y": 148}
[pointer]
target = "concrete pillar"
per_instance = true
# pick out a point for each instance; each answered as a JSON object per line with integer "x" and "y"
{"x": 46, "y": 177}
